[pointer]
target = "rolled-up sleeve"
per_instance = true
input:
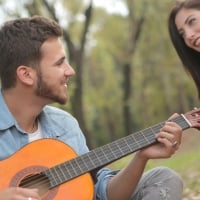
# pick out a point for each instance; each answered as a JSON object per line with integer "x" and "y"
{"x": 103, "y": 176}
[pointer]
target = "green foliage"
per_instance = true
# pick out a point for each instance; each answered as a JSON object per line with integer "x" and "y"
{"x": 160, "y": 86}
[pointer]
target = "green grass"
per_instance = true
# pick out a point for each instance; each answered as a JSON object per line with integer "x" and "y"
{"x": 180, "y": 162}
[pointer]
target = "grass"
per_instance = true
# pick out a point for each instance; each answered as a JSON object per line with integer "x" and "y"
{"x": 186, "y": 162}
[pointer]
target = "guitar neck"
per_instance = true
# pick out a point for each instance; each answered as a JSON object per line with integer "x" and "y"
{"x": 108, "y": 153}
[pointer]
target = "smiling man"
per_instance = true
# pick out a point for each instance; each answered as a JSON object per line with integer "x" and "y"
{"x": 34, "y": 72}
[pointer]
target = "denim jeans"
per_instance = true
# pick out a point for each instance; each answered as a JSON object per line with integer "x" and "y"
{"x": 160, "y": 183}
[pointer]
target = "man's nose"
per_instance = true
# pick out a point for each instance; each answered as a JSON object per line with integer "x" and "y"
{"x": 69, "y": 71}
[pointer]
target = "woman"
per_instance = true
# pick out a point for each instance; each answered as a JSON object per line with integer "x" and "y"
{"x": 184, "y": 29}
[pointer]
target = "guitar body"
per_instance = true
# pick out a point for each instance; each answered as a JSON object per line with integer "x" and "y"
{"x": 41, "y": 155}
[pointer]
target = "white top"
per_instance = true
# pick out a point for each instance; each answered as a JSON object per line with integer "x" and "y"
{"x": 35, "y": 135}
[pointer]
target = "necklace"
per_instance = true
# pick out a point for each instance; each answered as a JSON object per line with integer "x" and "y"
{"x": 34, "y": 126}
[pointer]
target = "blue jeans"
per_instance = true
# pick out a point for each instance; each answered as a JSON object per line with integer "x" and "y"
{"x": 160, "y": 183}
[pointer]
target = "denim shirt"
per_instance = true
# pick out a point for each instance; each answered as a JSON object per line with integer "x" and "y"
{"x": 55, "y": 123}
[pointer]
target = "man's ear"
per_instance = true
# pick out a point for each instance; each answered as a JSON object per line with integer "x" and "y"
{"x": 25, "y": 74}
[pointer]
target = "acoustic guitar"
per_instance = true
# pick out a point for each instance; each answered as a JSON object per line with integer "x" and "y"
{"x": 59, "y": 174}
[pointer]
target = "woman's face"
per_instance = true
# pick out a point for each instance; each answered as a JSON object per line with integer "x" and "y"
{"x": 188, "y": 25}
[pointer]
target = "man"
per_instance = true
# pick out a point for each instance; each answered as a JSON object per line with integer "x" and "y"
{"x": 34, "y": 72}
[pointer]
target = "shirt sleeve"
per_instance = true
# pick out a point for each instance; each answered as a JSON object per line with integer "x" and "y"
{"x": 103, "y": 176}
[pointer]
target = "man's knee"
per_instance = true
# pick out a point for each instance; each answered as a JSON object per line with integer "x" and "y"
{"x": 167, "y": 176}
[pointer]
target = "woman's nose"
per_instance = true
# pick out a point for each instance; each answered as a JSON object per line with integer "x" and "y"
{"x": 189, "y": 34}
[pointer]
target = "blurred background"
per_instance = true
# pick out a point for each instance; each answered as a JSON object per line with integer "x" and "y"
{"x": 128, "y": 76}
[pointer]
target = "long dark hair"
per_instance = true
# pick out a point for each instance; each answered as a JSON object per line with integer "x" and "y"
{"x": 189, "y": 57}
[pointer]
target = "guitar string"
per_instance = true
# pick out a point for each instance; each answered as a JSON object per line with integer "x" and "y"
{"x": 27, "y": 182}
{"x": 41, "y": 180}
{"x": 117, "y": 151}
{"x": 54, "y": 176}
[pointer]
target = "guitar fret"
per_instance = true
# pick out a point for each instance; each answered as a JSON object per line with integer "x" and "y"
{"x": 118, "y": 151}
{"x": 84, "y": 164}
{"x": 124, "y": 148}
{"x": 182, "y": 122}
{"x": 112, "y": 148}
{"x": 65, "y": 168}
{"x": 71, "y": 169}
{"x": 140, "y": 139}
{"x": 147, "y": 133}
{"x": 76, "y": 167}
{"x": 156, "y": 128}
{"x": 127, "y": 143}
{"x": 133, "y": 142}
{"x": 120, "y": 147}
{"x": 64, "y": 175}
{"x": 102, "y": 154}
{"x": 87, "y": 160}
{"x": 95, "y": 159}
{"x": 48, "y": 173}
{"x": 51, "y": 175}
{"x": 57, "y": 176}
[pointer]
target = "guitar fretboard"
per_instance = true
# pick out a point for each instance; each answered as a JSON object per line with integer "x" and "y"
{"x": 106, "y": 154}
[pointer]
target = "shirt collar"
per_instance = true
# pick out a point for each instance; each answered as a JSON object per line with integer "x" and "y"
{"x": 7, "y": 119}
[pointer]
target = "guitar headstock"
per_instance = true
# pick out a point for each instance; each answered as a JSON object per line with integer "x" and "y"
{"x": 193, "y": 118}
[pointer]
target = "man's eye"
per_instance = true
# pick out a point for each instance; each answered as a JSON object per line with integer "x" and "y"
{"x": 59, "y": 63}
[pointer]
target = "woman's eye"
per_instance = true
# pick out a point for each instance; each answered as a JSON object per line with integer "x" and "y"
{"x": 191, "y": 21}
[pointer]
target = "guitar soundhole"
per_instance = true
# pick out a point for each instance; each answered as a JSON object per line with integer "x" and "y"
{"x": 32, "y": 178}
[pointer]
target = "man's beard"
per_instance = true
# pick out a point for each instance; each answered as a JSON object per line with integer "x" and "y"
{"x": 44, "y": 90}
